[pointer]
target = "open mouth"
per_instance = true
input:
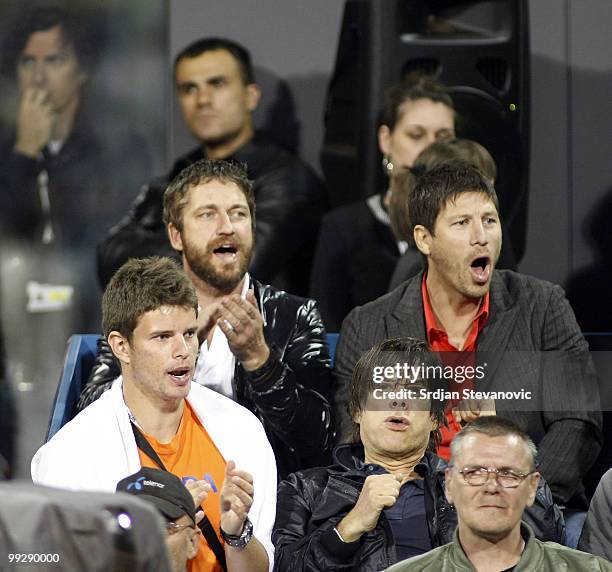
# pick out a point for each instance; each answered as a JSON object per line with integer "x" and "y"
{"x": 180, "y": 375}
{"x": 397, "y": 423}
{"x": 480, "y": 269}
{"x": 226, "y": 251}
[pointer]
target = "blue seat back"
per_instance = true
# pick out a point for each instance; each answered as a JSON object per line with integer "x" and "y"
{"x": 78, "y": 361}
{"x": 332, "y": 340}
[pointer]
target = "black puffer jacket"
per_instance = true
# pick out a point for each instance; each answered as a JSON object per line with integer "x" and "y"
{"x": 289, "y": 198}
{"x": 311, "y": 503}
{"x": 289, "y": 393}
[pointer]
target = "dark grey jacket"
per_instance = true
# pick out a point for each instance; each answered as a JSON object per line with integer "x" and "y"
{"x": 596, "y": 535}
{"x": 531, "y": 340}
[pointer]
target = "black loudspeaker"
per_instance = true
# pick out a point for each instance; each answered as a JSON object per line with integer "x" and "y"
{"x": 479, "y": 48}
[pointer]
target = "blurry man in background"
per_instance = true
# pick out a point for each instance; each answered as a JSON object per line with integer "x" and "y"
{"x": 63, "y": 181}
{"x": 217, "y": 94}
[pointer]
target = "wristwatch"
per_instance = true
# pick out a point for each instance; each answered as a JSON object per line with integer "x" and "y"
{"x": 242, "y": 539}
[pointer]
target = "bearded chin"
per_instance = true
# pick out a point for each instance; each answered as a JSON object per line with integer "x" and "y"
{"x": 222, "y": 281}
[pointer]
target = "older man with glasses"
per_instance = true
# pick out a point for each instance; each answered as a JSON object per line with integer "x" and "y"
{"x": 176, "y": 504}
{"x": 383, "y": 500}
{"x": 492, "y": 478}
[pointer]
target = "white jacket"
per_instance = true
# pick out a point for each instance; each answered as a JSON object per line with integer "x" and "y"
{"x": 97, "y": 449}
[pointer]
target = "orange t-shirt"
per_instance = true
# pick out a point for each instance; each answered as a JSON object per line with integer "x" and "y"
{"x": 438, "y": 342}
{"x": 192, "y": 455}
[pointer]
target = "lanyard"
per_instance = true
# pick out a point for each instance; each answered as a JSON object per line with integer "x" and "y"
{"x": 205, "y": 525}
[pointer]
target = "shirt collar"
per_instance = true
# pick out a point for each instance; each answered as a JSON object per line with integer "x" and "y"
{"x": 421, "y": 468}
{"x": 245, "y": 285}
{"x": 430, "y": 319}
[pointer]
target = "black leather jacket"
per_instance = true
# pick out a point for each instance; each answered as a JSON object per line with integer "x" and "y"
{"x": 311, "y": 503}
{"x": 290, "y": 200}
{"x": 289, "y": 393}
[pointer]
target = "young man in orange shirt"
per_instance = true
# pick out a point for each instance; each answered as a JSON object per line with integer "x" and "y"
{"x": 154, "y": 416}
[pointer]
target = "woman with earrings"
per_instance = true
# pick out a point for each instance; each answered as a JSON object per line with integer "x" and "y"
{"x": 357, "y": 250}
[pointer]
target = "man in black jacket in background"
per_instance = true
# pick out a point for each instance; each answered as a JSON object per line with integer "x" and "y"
{"x": 217, "y": 94}
{"x": 68, "y": 164}
{"x": 262, "y": 347}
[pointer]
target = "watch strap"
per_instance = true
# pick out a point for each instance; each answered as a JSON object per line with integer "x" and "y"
{"x": 242, "y": 539}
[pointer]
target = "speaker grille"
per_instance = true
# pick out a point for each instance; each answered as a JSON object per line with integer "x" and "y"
{"x": 426, "y": 66}
{"x": 495, "y": 71}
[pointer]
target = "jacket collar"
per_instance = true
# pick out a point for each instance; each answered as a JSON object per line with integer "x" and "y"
{"x": 503, "y": 312}
{"x": 530, "y": 559}
{"x": 249, "y": 153}
{"x": 407, "y": 317}
{"x": 345, "y": 455}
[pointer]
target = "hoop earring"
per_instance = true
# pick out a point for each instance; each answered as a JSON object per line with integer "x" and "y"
{"x": 387, "y": 166}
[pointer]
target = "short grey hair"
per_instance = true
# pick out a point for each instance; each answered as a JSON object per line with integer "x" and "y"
{"x": 493, "y": 426}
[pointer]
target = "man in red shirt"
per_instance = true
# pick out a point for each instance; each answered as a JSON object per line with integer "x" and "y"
{"x": 460, "y": 302}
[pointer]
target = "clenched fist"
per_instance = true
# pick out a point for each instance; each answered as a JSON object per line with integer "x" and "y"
{"x": 469, "y": 409}
{"x": 379, "y": 492}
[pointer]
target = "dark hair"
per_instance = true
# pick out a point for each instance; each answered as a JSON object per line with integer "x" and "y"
{"x": 435, "y": 188}
{"x": 142, "y": 285}
{"x": 457, "y": 149}
{"x": 434, "y": 155}
{"x": 401, "y": 185}
{"x": 493, "y": 426}
{"x": 424, "y": 87}
{"x": 388, "y": 353}
{"x": 40, "y": 17}
{"x": 240, "y": 53}
{"x": 204, "y": 171}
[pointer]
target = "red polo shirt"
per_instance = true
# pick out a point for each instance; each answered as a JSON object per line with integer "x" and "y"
{"x": 438, "y": 342}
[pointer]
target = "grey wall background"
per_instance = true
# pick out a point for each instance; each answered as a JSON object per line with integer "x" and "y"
{"x": 571, "y": 110}
{"x": 571, "y": 169}
{"x": 290, "y": 40}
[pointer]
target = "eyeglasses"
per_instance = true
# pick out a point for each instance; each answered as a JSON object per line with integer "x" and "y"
{"x": 508, "y": 479}
{"x": 173, "y": 528}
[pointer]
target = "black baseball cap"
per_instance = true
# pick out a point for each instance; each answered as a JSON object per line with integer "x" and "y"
{"x": 165, "y": 490}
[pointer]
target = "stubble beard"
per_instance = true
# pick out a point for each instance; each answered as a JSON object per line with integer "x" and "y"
{"x": 459, "y": 279}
